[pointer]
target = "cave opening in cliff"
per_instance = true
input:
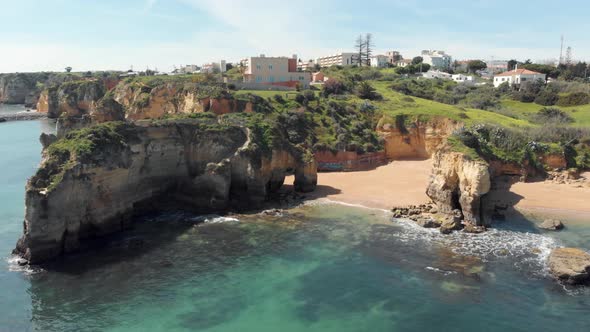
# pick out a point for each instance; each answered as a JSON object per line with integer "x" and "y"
{"x": 455, "y": 199}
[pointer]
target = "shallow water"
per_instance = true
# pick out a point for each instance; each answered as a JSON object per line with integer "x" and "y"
{"x": 316, "y": 268}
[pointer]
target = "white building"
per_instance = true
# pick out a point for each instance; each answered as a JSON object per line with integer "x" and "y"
{"x": 403, "y": 63}
{"x": 379, "y": 61}
{"x": 517, "y": 77}
{"x": 497, "y": 66}
{"x": 214, "y": 67}
{"x": 280, "y": 71}
{"x": 341, "y": 59}
{"x": 306, "y": 65}
{"x": 437, "y": 59}
{"x": 431, "y": 74}
{"x": 460, "y": 78}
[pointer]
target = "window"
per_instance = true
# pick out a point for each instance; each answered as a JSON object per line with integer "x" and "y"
{"x": 258, "y": 79}
{"x": 271, "y": 79}
{"x": 258, "y": 67}
{"x": 523, "y": 79}
{"x": 503, "y": 79}
{"x": 270, "y": 67}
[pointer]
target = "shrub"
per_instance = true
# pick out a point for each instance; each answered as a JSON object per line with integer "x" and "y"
{"x": 547, "y": 98}
{"x": 574, "y": 99}
{"x": 300, "y": 99}
{"x": 279, "y": 99}
{"x": 444, "y": 97}
{"x": 366, "y": 91}
{"x": 333, "y": 87}
{"x": 552, "y": 114}
{"x": 408, "y": 99}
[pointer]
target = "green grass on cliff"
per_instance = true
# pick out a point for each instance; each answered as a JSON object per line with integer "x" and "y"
{"x": 82, "y": 145}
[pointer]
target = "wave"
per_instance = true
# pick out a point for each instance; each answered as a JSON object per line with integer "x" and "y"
{"x": 526, "y": 251}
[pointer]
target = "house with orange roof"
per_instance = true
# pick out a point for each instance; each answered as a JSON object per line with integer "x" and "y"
{"x": 517, "y": 77}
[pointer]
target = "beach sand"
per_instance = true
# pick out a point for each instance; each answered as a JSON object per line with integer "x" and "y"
{"x": 399, "y": 183}
{"x": 552, "y": 200}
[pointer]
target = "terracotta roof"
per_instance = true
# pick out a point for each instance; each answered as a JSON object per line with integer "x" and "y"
{"x": 519, "y": 72}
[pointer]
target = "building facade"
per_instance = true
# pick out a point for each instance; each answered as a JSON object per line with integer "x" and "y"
{"x": 403, "y": 63}
{"x": 394, "y": 56}
{"x": 517, "y": 77}
{"x": 379, "y": 61}
{"x": 437, "y": 59}
{"x": 460, "y": 78}
{"x": 341, "y": 59}
{"x": 437, "y": 74}
{"x": 497, "y": 66}
{"x": 275, "y": 71}
{"x": 306, "y": 65}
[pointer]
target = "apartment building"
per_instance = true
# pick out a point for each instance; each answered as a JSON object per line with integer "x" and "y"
{"x": 281, "y": 71}
{"x": 437, "y": 59}
{"x": 341, "y": 59}
{"x": 497, "y": 66}
{"x": 379, "y": 61}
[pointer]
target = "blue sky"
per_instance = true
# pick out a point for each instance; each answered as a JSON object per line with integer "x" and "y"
{"x": 115, "y": 34}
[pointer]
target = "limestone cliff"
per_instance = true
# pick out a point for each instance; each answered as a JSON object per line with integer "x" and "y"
{"x": 92, "y": 181}
{"x": 16, "y": 88}
{"x": 71, "y": 99}
{"x": 459, "y": 183}
{"x": 417, "y": 140}
{"x": 143, "y": 101}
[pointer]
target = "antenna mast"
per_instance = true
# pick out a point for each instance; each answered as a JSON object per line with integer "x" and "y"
{"x": 561, "y": 51}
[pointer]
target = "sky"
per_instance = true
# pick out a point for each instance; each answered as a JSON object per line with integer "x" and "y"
{"x": 49, "y": 35}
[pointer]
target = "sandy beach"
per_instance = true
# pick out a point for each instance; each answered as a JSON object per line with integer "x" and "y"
{"x": 547, "y": 199}
{"x": 399, "y": 183}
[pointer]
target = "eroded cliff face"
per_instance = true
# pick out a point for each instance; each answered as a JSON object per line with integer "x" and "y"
{"x": 16, "y": 89}
{"x": 144, "y": 102}
{"x": 91, "y": 182}
{"x": 71, "y": 99}
{"x": 420, "y": 140}
{"x": 458, "y": 183}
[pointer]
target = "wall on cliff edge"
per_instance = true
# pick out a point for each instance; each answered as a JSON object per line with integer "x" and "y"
{"x": 459, "y": 183}
{"x": 91, "y": 188}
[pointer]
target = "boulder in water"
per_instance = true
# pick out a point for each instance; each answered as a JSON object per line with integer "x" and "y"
{"x": 570, "y": 265}
{"x": 552, "y": 225}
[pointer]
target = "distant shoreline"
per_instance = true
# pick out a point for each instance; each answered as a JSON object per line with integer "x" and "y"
{"x": 22, "y": 116}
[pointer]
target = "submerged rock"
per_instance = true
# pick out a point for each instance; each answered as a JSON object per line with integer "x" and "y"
{"x": 452, "y": 223}
{"x": 570, "y": 265}
{"x": 552, "y": 225}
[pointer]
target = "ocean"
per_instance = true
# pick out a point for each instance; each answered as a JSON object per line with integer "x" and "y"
{"x": 318, "y": 267}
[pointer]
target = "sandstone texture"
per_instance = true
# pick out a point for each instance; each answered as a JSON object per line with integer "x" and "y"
{"x": 419, "y": 140}
{"x": 93, "y": 180}
{"x": 570, "y": 265}
{"x": 552, "y": 225}
{"x": 458, "y": 183}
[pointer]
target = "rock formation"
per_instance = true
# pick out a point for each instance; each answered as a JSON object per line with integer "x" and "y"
{"x": 570, "y": 265}
{"x": 92, "y": 181}
{"x": 418, "y": 140}
{"x": 552, "y": 225}
{"x": 16, "y": 88}
{"x": 458, "y": 183}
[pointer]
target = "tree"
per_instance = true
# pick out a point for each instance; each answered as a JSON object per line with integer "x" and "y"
{"x": 417, "y": 60}
{"x": 68, "y": 69}
{"x": 368, "y": 48}
{"x": 512, "y": 64}
{"x": 88, "y": 74}
{"x": 475, "y": 65}
{"x": 360, "y": 47}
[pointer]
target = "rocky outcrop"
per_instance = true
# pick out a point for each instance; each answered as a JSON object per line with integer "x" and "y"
{"x": 459, "y": 183}
{"x": 552, "y": 225}
{"x": 92, "y": 181}
{"x": 71, "y": 99}
{"x": 16, "y": 88}
{"x": 418, "y": 140}
{"x": 146, "y": 102}
{"x": 570, "y": 265}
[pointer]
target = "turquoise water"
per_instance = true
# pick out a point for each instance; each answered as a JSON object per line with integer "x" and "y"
{"x": 316, "y": 268}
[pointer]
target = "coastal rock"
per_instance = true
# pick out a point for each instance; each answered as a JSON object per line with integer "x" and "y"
{"x": 420, "y": 140}
{"x": 552, "y": 225}
{"x": 15, "y": 88}
{"x": 459, "y": 183}
{"x": 428, "y": 222}
{"x": 90, "y": 184}
{"x": 470, "y": 228}
{"x": 452, "y": 223}
{"x": 570, "y": 265}
{"x": 71, "y": 99}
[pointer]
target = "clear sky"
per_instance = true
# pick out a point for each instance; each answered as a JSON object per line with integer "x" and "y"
{"x": 40, "y": 35}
